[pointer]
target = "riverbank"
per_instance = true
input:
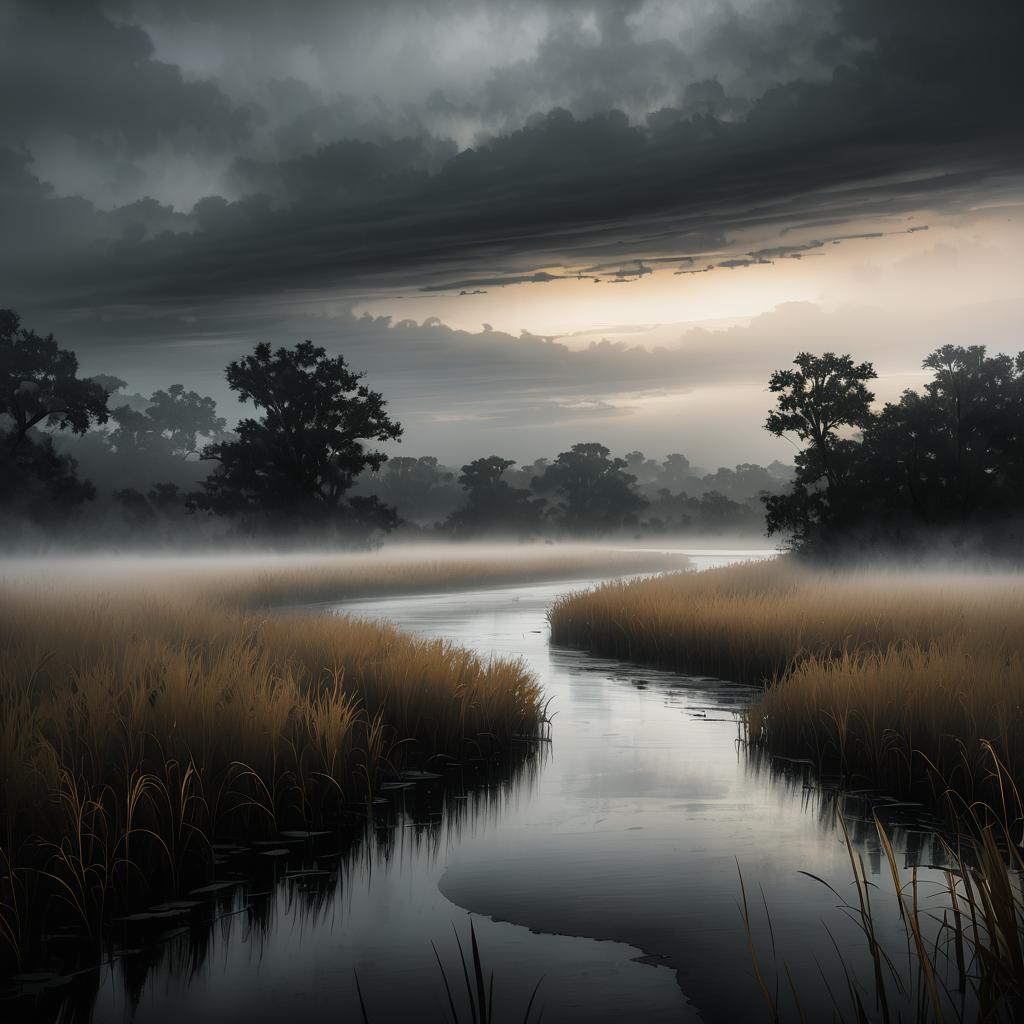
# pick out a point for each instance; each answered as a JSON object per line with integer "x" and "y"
{"x": 897, "y": 680}
{"x": 903, "y": 683}
{"x": 149, "y": 711}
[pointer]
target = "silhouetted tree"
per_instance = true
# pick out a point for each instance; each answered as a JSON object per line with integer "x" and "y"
{"x": 644, "y": 469}
{"x": 948, "y": 459}
{"x": 422, "y": 490}
{"x": 954, "y": 454}
{"x": 492, "y": 505}
{"x": 39, "y": 483}
{"x": 675, "y": 471}
{"x": 297, "y": 461}
{"x": 712, "y": 512}
{"x": 823, "y": 395}
{"x": 595, "y": 493}
{"x": 40, "y": 388}
{"x": 172, "y": 424}
{"x": 39, "y": 384}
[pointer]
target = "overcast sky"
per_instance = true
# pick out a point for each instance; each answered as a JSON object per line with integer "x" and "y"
{"x": 531, "y": 223}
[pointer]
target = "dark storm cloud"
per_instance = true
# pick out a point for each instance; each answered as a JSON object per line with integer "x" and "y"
{"x": 540, "y": 277}
{"x": 67, "y": 68}
{"x": 877, "y": 108}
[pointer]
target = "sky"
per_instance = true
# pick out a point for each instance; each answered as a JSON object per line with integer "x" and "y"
{"x": 531, "y": 223}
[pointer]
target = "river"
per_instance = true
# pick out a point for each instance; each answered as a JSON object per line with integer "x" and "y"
{"x": 606, "y": 864}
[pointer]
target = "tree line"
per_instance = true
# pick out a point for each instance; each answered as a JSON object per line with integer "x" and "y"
{"x": 943, "y": 465}
{"x": 305, "y": 463}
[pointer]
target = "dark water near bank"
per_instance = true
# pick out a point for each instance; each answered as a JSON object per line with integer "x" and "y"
{"x": 604, "y": 862}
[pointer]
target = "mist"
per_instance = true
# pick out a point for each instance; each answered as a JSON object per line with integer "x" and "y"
{"x": 511, "y": 511}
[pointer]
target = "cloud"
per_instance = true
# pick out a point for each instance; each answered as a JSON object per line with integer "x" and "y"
{"x": 76, "y": 85}
{"x": 603, "y": 133}
{"x": 539, "y": 277}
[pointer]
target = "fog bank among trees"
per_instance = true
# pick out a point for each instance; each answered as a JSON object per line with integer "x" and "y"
{"x": 83, "y": 461}
{"x": 86, "y": 461}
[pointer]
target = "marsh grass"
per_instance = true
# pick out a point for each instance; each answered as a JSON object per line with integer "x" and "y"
{"x": 912, "y": 683}
{"x": 961, "y": 957}
{"x": 149, "y": 714}
{"x": 899, "y": 680}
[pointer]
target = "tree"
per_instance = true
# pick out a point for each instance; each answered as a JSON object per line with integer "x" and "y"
{"x": 40, "y": 483}
{"x": 644, "y": 469}
{"x": 40, "y": 388}
{"x": 943, "y": 463}
{"x": 746, "y": 480}
{"x": 594, "y": 490}
{"x": 171, "y": 424}
{"x": 676, "y": 472}
{"x": 824, "y": 394}
{"x": 955, "y": 453}
{"x": 296, "y": 462}
{"x": 422, "y": 490}
{"x": 39, "y": 384}
{"x": 492, "y": 504}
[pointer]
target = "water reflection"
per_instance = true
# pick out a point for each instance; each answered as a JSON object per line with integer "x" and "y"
{"x": 605, "y": 861}
{"x": 295, "y": 885}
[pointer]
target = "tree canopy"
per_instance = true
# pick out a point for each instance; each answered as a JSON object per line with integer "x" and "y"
{"x": 39, "y": 383}
{"x": 947, "y": 460}
{"x": 298, "y": 459}
{"x": 492, "y": 504}
{"x": 593, "y": 491}
{"x": 40, "y": 388}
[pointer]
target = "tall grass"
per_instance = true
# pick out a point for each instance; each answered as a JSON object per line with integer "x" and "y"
{"x": 961, "y": 954}
{"x": 140, "y": 723}
{"x": 900, "y": 680}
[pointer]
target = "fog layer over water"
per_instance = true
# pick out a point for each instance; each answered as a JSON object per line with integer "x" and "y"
{"x": 626, "y": 828}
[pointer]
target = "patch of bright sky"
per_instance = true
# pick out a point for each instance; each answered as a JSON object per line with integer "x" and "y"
{"x": 970, "y": 258}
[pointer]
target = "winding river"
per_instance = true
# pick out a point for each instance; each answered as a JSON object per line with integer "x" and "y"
{"x": 605, "y": 864}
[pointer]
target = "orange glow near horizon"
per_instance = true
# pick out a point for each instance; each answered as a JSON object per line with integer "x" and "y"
{"x": 957, "y": 261}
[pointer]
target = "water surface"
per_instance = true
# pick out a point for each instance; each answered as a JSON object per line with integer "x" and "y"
{"x": 606, "y": 863}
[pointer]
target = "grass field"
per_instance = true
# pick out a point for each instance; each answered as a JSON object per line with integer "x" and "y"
{"x": 895, "y": 679}
{"x": 149, "y": 707}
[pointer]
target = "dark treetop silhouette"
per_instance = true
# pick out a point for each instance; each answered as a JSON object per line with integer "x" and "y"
{"x": 593, "y": 490}
{"x": 304, "y": 465}
{"x": 492, "y": 503}
{"x": 946, "y": 463}
{"x": 40, "y": 386}
{"x": 298, "y": 460}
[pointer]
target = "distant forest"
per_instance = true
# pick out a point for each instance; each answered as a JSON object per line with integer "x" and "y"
{"x": 85, "y": 460}
{"x": 81, "y": 459}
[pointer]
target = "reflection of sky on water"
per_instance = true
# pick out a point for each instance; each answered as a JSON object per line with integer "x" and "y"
{"x": 628, "y": 832}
